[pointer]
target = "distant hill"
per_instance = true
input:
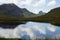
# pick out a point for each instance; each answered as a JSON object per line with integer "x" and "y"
{"x": 41, "y": 13}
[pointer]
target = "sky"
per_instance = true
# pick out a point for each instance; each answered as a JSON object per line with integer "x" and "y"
{"x": 34, "y": 5}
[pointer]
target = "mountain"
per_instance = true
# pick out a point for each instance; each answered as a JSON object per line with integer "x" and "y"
{"x": 54, "y": 16}
{"x": 10, "y": 10}
{"x": 41, "y": 13}
{"x": 27, "y": 13}
{"x": 51, "y": 17}
{"x": 15, "y": 11}
{"x": 10, "y": 13}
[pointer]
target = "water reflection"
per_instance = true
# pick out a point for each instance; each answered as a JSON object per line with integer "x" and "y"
{"x": 31, "y": 30}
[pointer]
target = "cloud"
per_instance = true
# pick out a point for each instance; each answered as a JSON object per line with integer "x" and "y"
{"x": 36, "y": 11}
{"x": 30, "y": 4}
{"x": 22, "y": 2}
{"x": 29, "y": 28}
{"x": 40, "y": 29}
{"x": 36, "y": 26}
{"x": 52, "y": 28}
{"x": 6, "y": 1}
{"x": 52, "y": 3}
{"x": 39, "y": 3}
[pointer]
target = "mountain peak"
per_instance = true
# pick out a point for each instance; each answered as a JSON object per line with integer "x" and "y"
{"x": 41, "y": 13}
{"x": 24, "y": 9}
{"x": 11, "y": 10}
{"x": 8, "y": 4}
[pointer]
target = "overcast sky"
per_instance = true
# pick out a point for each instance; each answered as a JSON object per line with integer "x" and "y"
{"x": 34, "y": 5}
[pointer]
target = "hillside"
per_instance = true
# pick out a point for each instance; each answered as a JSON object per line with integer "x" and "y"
{"x": 27, "y": 13}
{"x": 11, "y": 14}
{"x": 10, "y": 10}
{"x": 52, "y": 17}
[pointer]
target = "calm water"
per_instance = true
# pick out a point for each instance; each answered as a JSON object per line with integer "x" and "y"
{"x": 31, "y": 30}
